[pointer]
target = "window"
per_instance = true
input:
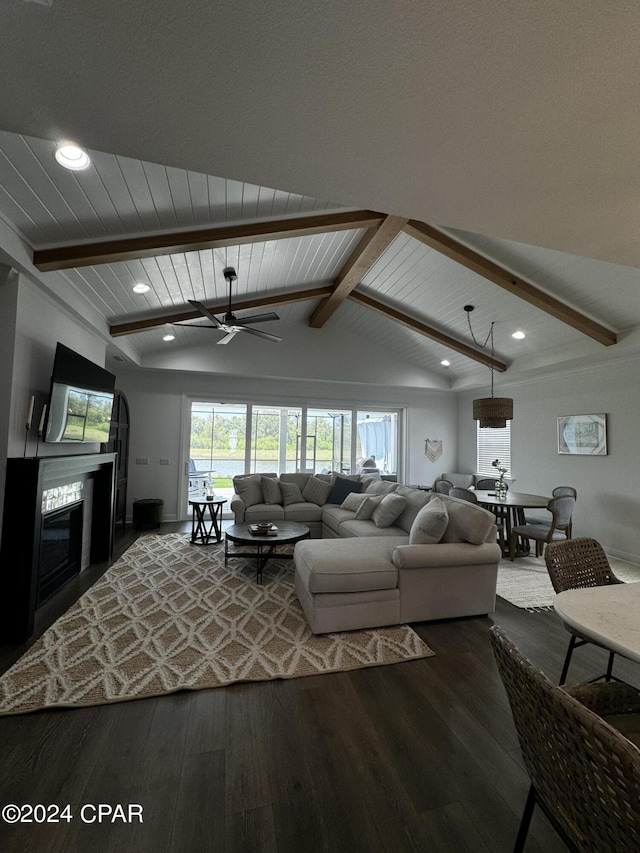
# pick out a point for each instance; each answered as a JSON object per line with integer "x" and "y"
{"x": 493, "y": 444}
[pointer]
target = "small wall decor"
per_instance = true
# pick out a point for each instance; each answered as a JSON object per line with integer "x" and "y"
{"x": 433, "y": 448}
{"x": 584, "y": 435}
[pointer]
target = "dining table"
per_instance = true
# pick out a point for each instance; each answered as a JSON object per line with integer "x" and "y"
{"x": 606, "y": 615}
{"x": 514, "y": 505}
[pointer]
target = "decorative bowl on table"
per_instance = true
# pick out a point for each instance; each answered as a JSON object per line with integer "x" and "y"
{"x": 264, "y": 525}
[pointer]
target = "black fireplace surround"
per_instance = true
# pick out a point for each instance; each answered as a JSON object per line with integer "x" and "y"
{"x": 40, "y": 551}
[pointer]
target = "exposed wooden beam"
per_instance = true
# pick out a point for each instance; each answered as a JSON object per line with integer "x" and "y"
{"x": 472, "y": 260}
{"x": 143, "y": 325}
{"x": 428, "y": 331}
{"x": 363, "y": 257}
{"x": 171, "y": 243}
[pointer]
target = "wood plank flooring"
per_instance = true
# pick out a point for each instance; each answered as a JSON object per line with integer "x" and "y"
{"x": 418, "y": 756}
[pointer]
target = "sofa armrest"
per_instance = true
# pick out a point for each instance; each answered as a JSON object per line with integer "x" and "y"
{"x": 237, "y": 508}
{"x": 445, "y": 554}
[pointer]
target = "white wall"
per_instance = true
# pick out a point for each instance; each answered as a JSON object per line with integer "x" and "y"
{"x": 156, "y": 402}
{"x": 608, "y": 506}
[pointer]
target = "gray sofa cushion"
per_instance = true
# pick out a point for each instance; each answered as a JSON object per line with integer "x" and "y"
{"x": 379, "y": 487}
{"x": 271, "y": 490}
{"x": 467, "y": 522}
{"x": 316, "y": 491}
{"x": 249, "y": 488}
{"x": 430, "y": 524}
{"x": 291, "y": 493}
{"x": 352, "y": 528}
{"x": 389, "y": 508}
{"x": 345, "y": 566}
{"x": 416, "y": 499}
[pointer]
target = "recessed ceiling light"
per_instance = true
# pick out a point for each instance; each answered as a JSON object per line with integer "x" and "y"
{"x": 445, "y": 362}
{"x": 72, "y": 157}
{"x": 168, "y": 336}
{"x": 141, "y": 288}
{"x": 519, "y": 336}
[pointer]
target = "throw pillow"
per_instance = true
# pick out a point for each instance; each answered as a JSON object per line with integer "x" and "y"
{"x": 271, "y": 490}
{"x": 249, "y": 488}
{"x": 341, "y": 488}
{"x": 366, "y": 508}
{"x": 353, "y": 501}
{"x": 430, "y": 524}
{"x": 316, "y": 491}
{"x": 389, "y": 508}
{"x": 291, "y": 493}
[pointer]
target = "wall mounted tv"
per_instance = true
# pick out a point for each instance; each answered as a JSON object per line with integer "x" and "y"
{"x": 81, "y": 399}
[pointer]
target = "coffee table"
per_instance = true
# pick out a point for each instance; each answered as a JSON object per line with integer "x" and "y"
{"x": 289, "y": 532}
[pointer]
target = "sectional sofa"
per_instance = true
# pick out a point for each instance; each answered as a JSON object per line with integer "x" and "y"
{"x": 380, "y": 553}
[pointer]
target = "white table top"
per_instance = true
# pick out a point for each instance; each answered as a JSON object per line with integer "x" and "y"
{"x": 608, "y": 615}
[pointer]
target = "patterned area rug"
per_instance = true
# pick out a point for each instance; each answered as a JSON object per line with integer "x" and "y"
{"x": 525, "y": 582}
{"x": 169, "y": 616}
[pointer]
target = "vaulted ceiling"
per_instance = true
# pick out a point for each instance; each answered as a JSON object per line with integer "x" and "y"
{"x": 368, "y": 168}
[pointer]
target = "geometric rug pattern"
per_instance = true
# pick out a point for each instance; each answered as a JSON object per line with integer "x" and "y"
{"x": 525, "y": 582}
{"x": 169, "y": 616}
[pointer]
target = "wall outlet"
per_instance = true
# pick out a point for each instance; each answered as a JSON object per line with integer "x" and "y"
{"x": 165, "y": 461}
{"x": 142, "y": 460}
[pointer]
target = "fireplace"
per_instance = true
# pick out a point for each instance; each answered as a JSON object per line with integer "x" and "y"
{"x": 60, "y": 549}
{"x": 58, "y": 518}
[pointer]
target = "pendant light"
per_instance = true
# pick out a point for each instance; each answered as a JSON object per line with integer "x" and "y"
{"x": 490, "y": 411}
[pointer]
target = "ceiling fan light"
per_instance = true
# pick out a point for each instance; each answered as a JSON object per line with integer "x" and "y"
{"x": 493, "y": 412}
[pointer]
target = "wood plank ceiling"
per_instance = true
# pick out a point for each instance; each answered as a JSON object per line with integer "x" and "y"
{"x": 125, "y": 221}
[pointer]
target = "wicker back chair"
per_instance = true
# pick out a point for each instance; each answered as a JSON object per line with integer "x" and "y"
{"x": 443, "y": 487}
{"x": 576, "y": 564}
{"x": 463, "y": 494}
{"x": 585, "y": 775}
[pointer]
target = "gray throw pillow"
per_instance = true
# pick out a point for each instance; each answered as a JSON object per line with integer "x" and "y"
{"x": 316, "y": 491}
{"x": 249, "y": 488}
{"x": 389, "y": 508}
{"x": 430, "y": 524}
{"x": 271, "y": 490}
{"x": 291, "y": 493}
{"x": 366, "y": 508}
{"x": 353, "y": 501}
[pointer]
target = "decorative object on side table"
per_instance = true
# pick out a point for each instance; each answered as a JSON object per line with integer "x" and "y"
{"x": 584, "y": 435}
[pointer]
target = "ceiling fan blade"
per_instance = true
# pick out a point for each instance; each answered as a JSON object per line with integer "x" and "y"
{"x": 259, "y": 333}
{"x": 256, "y": 318}
{"x": 196, "y": 326}
{"x": 228, "y": 337}
{"x": 205, "y": 312}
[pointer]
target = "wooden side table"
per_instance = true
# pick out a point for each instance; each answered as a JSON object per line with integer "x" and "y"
{"x": 205, "y": 527}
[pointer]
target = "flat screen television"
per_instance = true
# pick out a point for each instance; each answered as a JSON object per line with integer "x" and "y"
{"x": 80, "y": 401}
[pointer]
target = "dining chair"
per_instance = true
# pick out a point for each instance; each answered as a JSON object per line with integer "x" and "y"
{"x": 463, "y": 494}
{"x": 443, "y": 487}
{"x": 561, "y": 509}
{"x": 577, "y": 564}
{"x": 584, "y": 772}
{"x": 558, "y": 492}
{"x": 486, "y": 484}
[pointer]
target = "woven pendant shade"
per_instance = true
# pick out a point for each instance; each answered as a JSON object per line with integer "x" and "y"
{"x": 493, "y": 411}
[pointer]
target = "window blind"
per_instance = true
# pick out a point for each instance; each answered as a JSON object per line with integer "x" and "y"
{"x": 493, "y": 444}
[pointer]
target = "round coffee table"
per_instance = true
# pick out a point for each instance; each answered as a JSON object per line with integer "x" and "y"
{"x": 287, "y": 533}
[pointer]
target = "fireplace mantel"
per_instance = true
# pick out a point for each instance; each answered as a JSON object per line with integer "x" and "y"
{"x": 26, "y": 481}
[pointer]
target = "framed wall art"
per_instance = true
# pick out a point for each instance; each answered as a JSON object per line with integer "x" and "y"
{"x": 582, "y": 435}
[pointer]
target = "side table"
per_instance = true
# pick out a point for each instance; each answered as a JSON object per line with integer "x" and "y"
{"x": 205, "y": 527}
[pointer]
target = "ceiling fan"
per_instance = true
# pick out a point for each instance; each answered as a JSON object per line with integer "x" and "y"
{"x": 229, "y": 323}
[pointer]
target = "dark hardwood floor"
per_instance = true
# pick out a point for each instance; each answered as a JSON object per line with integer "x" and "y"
{"x": 418, "y": 756}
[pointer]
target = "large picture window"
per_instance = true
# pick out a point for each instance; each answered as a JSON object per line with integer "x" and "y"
{"x": 493, "y": 444}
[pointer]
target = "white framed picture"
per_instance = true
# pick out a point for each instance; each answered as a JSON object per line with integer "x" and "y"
{"x": 582, "y": 435}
